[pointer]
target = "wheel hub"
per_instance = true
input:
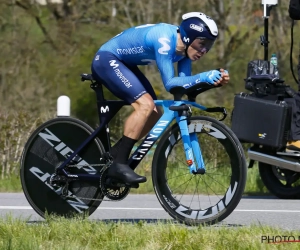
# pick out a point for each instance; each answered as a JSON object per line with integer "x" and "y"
{"x": 199, "y": 171}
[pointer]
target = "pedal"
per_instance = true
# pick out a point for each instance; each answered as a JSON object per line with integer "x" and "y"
{"x": 113, "y": 183}
{"x": 135, "y": 185}
{"x": 111, "y": 188}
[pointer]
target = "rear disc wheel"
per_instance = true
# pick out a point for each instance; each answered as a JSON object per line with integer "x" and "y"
{"x": 46, "y": 149}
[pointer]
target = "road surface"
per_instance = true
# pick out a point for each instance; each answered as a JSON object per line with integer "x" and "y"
{"x": 251, "y": 210}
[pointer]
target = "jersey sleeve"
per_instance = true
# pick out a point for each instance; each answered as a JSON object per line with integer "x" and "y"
{"x": 164, "y": 45}
{"x": 184, "y": 67}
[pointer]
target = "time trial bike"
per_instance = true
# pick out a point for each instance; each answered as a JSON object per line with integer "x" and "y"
{"x": 198, "y": 168}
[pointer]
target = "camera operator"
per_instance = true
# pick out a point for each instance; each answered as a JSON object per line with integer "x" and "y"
{"x": 294, "y": 9}
{"x": 294, "y": 144}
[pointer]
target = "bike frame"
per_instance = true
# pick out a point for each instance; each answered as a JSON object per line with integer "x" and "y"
{"x": 108, "y": 109}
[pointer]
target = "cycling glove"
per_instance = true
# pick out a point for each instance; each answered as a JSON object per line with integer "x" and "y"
{"x": 210, "y": 77}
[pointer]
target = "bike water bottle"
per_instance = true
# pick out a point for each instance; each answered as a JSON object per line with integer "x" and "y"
{"x": 274, "y": 65}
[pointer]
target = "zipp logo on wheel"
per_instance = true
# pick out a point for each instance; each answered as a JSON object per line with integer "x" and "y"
{"x": 73, "y": 201}
{"x": 207, "y": 213}
{"x": 64, "y": 150}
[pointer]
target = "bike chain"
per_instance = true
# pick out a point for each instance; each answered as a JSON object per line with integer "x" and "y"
{"x": 105, "y": 166}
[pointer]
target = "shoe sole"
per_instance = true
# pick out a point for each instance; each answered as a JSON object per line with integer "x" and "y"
{"x": 122, "y": 181}
{"x": 289, "y": 150}
{"x": 130, "y": 185}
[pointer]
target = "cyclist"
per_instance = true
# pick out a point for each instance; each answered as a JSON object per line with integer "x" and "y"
{"x": 115, "y": 64}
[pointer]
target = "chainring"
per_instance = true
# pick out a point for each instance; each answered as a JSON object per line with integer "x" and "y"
{"x": 112, "y": 189}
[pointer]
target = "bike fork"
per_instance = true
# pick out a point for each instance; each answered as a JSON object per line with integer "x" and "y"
{"x": 191, "y": 147}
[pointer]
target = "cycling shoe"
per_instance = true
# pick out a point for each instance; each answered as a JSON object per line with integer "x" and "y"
{"x": 125, "y": 174}
{"x": 293, "y": 147}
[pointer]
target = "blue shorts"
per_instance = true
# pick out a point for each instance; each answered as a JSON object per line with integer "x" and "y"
{"x": 126, "y": 82}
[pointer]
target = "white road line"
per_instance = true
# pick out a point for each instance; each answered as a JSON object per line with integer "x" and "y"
{"x": 152, "y": 209}
{"x": 99, "y": 208}
{"x": 15, "y": 207}
{"x": 267, "y": 211}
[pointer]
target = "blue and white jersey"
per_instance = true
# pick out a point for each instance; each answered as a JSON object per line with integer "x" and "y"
{"x": 152, "y": 44}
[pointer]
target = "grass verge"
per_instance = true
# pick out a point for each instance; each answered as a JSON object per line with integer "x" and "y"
{"x": 78, "y": 233}
{"x": 10, "y": 184}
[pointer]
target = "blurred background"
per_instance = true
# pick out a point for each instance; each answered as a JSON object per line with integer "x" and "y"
{"x": 46, "y": 44}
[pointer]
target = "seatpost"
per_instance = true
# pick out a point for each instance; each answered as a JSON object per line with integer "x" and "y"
{"x": 97, "y": 87}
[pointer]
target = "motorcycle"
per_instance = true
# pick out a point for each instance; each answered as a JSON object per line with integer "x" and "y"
{"x": 263, "y": 119}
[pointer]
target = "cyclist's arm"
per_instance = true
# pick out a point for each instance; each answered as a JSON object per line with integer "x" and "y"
{"x": 184, "y": 67}
{"x": 164, "y": 45}
{"x": 166, "y": 69}
{"x": 185, "y": 79}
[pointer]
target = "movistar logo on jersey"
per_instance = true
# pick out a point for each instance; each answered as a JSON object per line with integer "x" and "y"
{"x": 113, "y": 64}
{"x": 123, "y": 78}
{"x": 131, "y": 51}
{"x": 165, "y": 46}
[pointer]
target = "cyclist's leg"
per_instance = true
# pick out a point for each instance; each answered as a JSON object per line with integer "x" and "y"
{"x": 123, "y": 83}
{"x": 143, "y": 108}
{"x": 156, "y": 113}
{"x": 154, "y": 117}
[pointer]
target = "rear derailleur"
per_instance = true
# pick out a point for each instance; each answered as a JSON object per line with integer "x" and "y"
{"x": 61, "y": 181}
